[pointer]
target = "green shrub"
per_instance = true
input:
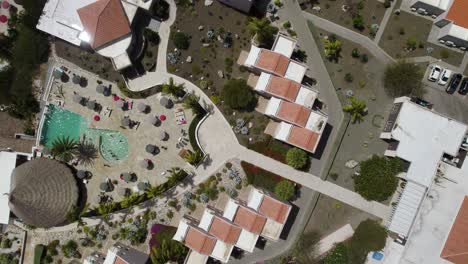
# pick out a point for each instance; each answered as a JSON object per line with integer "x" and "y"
{"x": 387, "y": 4}
{"x": 39, "y": 251}
{"x": 377, "y": 180}
{"x": 181, "y": 40}
{"x": 411, "y": 43}
{"x": 364, "y": 58}
{"x": 151, "y": 36}
{"x": 296, "y": 158}
{"x": 355, "y": 53}
{"x": 358, "y": 22}
{"x": 287, "y": 24}
{"x": 338, "y": 255}
{"x": 238, "y": 95}
{"x": 285, "y": 190}
{"x": 349, "y": 77}
{"x": 368, "y": 236}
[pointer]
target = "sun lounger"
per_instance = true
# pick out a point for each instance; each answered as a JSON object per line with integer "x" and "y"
{"x": 180, "y": 117}
{"x": 107, "y": 112}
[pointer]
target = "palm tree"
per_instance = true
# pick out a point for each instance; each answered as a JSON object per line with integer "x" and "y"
{"x": 131, "y": 200}
{"x": 356, "y": 108}
{"x": 86, "y": 152}
{"x": 63, "y": 148}
{"x": 153, "y": 191}
{"x": 332, "y": 48}
{"x": 193, "y": 157}
{"x": 192, "y": 102}
{"x": 106, "y": 208}
{"x": 262, "y": 29}
{"x": 173, "y": 89}
{"x": 76, "y": 214}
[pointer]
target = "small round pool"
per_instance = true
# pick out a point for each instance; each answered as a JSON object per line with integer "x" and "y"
{"x": 112, "y": 144}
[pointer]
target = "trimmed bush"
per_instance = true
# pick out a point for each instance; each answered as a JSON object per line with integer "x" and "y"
{"x": 181, "y": 40}
{"x": 285, "y": 190}
{"x": 296, "y": 158}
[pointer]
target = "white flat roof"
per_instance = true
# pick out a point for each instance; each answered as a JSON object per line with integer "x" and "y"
{"x": 255, "y": 198}
{"x": 206, "y": 220}
{"x": 181, "y": 230}
{"x": 407, "y": 208}
{"x": 253, "y": 56}
{"x": 110, "y": 257}
{"x": 272, "y": 229}
{"x": 222, "y": 251}
{"x": 230, "y": 210}
{"x": 424, "y": 136}
{"x": 282, "y": 131}
{"x": 262, "y": 82}
{"x": 306, "y": 97}
{"x": 8, "y": 164}
{"x": 437, "y": 214}
{"x": 295, "y": 71}
{"x": 457, "y": 32}
{"x": 247, "y": 241}
{"x": 196, "y": 258}
{"x": 316, "y": 122}
{"x": 273, "y": 106}
{"x": 284, "y": 45}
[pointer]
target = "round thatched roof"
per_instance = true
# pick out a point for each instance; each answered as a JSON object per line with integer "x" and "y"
{"x": 42, "y": 192}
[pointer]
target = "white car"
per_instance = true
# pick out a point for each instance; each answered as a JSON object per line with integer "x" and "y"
{"x": 444, "y": 77}
{"x": 435, "y": 73}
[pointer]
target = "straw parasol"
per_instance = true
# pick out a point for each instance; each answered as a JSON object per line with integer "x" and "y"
{"x": 42, "y": 192}
{"x": 142, "y": 107}
{"x": 81, "y": 174}
{"x": 150, "y": 148}
{"x": 107, "y": 91}
{"x": 104, "y": 186}
{"x": 77, "y": 98}
{"x": 162, "y": 135}
{"x": 152, "y": 119}
{"x": 144, "y": 163}
{"x": 76, "y": 79}
{"x": 142, "y": 186}
{"x": 100, "y": 88}
{"x": 83, "y": 82}
{"x": 119, "y": 103}
{"x": 125, "y": 121}
{"x": 91, "y": 105}
{"x": 127, "y": 177}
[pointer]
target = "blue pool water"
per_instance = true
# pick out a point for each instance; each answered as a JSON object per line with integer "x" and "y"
{"x": 113, "y": 146}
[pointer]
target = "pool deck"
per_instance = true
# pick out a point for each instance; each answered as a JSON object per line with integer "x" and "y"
{"x": 138, "y": 138}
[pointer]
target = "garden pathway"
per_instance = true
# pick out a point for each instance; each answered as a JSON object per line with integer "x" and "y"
{"x": 343, "y": 32}
{"x": 383, "y": 24}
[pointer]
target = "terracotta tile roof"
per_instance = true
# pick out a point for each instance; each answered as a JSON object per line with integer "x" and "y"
{"x": 224, "y": 230}
{"x": 104, "y": 21}
{"x": 293, "y": 113}
{"x": 303, "y": 138}
{"x": 249, "y": 220}
{"x": 456, "y": 246}
{"x": 283, "y": 88}
{"x": 274, "y": 209}
{"x": 199, "y": 241}
{"x": 119, "y": 260}
{"x": 273, "y": 62}
{"x": 458, "y": 13}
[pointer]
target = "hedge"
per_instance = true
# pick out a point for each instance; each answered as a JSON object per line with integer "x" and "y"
{"x": 38, "y": 253}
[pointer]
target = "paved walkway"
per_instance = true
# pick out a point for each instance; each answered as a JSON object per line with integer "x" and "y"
{"x": 348, "y": 34}
{"x": 318, "y": 71}
{"x": 383, "y": 23}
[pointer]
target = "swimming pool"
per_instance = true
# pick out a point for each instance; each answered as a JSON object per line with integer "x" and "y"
{"x": 113, "y": 146}
{"x": 59, "y": 122}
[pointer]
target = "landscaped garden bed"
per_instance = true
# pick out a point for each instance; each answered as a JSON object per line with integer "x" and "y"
{"x": 406, "y": 36}
{"x": 357, "y": 15}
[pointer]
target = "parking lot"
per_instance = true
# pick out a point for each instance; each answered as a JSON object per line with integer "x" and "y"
{"x": 452, "y": 105}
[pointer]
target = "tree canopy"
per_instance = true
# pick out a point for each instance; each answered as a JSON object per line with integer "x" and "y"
{"x": 285, "y": 190}
{"x": 238, "y": 95}
{"x": 377, "y": 180}
{"x": 368, "y": 236}
{"x": 403, "y": 78}
{"x": 296, "y": 158}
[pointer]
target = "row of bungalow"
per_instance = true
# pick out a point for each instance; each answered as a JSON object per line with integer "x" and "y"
{"x": 239, "y": 225}
{"x": 289, "y": 102}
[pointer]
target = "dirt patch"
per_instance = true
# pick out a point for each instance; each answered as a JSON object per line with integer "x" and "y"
{"x": 9, "y": 127}
{"x": 404, "y": 28}
{"x": 372, "y": 12}
{"x": 206, "y": 61}
{"x": 88, "y": 60}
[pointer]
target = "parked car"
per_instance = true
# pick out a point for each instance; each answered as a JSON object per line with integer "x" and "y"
{"x": 435, "y": 73}
{"x": 464, "y": 86}
{"x": 444, "y": 77}
{"x": 453, "y": 84}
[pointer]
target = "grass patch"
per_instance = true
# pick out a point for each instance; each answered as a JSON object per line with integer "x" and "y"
{"x": 271, "y": 148}
{"x": 38, "y": 253}
{"x": 192, "y": 134}
{"x": 140, "y": 94}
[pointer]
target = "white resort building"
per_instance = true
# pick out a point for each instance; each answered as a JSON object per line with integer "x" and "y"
{"x": 289, "y": 102}
{"x": 431, "y": 213}
{"x": 103, "y": 25}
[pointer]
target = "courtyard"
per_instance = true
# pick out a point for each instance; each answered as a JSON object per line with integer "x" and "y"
{"x": 120, "y": 134}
